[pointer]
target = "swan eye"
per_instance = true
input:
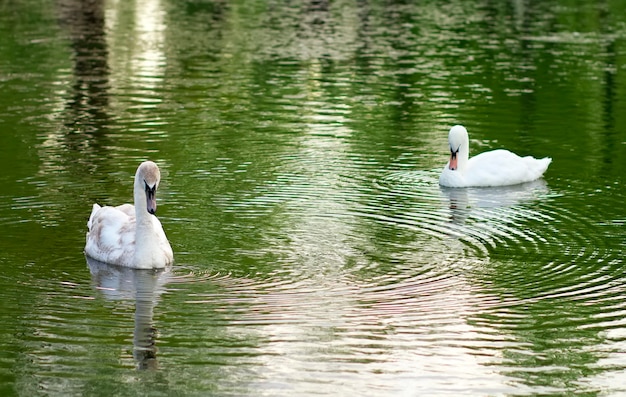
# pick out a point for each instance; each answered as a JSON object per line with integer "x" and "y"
{"x": 150, "y": 190}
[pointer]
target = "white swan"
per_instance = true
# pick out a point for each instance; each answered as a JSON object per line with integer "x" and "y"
{"x": 129, "y": 235}
{"x": 495, "y": 168}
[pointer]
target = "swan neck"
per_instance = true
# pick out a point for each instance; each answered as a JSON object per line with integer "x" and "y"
{"x": 459, "y": 148}
{"x": 144, "y": 230}
{"x": 463, "y": 157}
{"x": 141, "y": 211}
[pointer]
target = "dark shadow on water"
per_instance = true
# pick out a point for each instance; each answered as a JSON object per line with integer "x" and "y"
{"x": 142, "y": 286}
{"x": 84, "y": 22}
{"x": 86, "y": 116}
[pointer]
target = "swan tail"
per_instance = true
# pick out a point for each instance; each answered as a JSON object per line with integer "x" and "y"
{"x": 543, "y": 165}
{"x": 94, "y": 210}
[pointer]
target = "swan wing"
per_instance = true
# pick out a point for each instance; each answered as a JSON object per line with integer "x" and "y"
{"x": 162, "y": 244}
{"x": 502, "y": 167}
{"x": 111, "y": 235}
{"x": 128, "y": 209}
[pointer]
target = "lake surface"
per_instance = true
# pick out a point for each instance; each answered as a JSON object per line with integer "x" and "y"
{"x": 300, "y": 145}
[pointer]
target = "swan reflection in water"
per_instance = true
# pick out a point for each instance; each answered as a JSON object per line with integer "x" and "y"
{"x": 478, "y": 200}
{"x": 144, "y": 287}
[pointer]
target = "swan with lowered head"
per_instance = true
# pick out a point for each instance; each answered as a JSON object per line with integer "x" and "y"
{"x": 128, "y": 235}
{"x": 495, "y": 168}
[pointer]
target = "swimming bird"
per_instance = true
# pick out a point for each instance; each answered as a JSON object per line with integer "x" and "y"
{"x": 131, "y": 235}
{"x": 495, "y": 168}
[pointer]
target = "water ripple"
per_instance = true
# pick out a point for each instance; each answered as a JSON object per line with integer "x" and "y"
{"x": 470, "y": 237}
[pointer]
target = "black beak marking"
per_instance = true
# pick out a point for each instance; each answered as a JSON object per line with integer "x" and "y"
{"x": 150, "y": 197}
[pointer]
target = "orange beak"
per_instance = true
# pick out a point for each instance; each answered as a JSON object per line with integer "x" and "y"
{"x": 453, "y": 162}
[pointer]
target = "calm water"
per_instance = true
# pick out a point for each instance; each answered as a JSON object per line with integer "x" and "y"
{"x": 300, "y": 145}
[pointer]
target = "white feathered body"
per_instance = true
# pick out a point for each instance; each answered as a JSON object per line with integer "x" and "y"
{"x": 495, "y": 168}
{"x": 131, "y": 235}
{"x": 112, "y": 239}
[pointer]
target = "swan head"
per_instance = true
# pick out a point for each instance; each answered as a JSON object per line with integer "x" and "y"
{"x": 147, "y": 181}
{"x": 459, "y": 141}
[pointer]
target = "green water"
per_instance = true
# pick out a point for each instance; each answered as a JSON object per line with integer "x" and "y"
{"x": 300, "y": 146}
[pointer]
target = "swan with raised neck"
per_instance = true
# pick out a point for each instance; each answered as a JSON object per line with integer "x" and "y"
{"x": 131, "y": 235}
